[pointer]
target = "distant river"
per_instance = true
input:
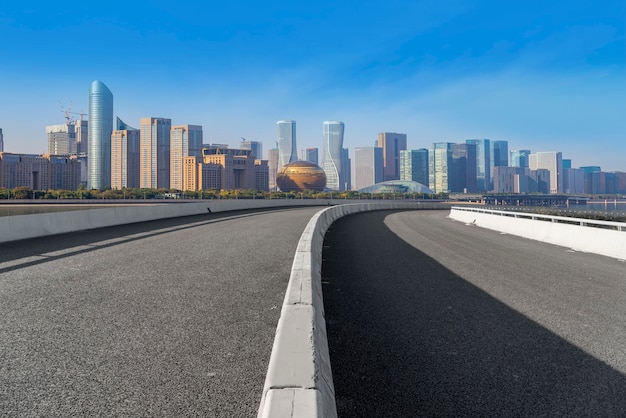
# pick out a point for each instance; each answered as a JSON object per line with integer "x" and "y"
{"x": 604, "y": 205}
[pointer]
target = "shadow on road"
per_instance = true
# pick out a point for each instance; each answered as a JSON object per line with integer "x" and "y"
{"x": 408, "y": 338}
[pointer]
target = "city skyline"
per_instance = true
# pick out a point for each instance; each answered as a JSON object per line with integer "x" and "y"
{"x": 543, "y": 77}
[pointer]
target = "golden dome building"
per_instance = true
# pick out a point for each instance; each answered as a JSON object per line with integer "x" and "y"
{"x": 300, "y": 176}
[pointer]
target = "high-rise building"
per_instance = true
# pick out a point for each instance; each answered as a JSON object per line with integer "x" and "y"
{"x": 368, "y": 166}
{"x": 573, "y": 180}
{"x": 462, "y": 172}
{"x": 81, "y": 133}
{"x": 483, "y": 163}
{"x": 272, "y": 163}
{"x": 286, "y": 138}
{"x": 551, "y": 161}
{"x": 100, "y": 128}
{"x": 331, "y": 154}
{"x": 185, "y": 141}
{"x": 499, "y": 154}
{"x": 391, "y": 143}
{"x": 262, "y": 175}
{"x": 519, "y": 158}
{"x": 154, "y": 159}
{"x": 61, "y": 139}
{"x": 124, "y": 156}
{"x": 414, "y": 165}
{"x": 346, "y": 169}
{"x": 255, "y": 146}
{"x": 567, "y": 163}
{"x": 439, "y": 165}
{"x": 310, "y": 155}
{"x": 1, "y": 141}
{"x": 591, "y": 169}
{"x": 506, "y": 179}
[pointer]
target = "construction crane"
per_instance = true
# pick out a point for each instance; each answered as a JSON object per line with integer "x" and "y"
{"x": 67, "y": 112}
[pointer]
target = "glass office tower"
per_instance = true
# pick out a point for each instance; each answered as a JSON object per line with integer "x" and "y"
{"x": 519, "y": 158}
{"x": 483, "y": 163}
{"x": 414, "y": 165}
{"x": 331, "y": 154}
{"x": 100, "y": 128}
{"x": 286, "y": 138}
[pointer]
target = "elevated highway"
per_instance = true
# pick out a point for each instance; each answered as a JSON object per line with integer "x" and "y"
{"x": 431, "y": 317}
{"x": 165, "y": 318}
{"x": 426, "y": 316}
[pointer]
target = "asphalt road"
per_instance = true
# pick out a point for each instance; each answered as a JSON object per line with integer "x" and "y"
{"x": 430, "y": 317}
{"x": 166, "y": 318}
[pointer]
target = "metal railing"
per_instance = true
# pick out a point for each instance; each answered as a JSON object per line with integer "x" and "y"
{"x": 593, "y": 223}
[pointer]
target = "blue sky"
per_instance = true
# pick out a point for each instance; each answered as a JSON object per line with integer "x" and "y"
{"x": 546, "y": 76}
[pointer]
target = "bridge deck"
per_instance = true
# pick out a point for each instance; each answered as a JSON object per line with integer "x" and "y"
{"x": 429, "y": 317}
{"x": 166, "y": 318}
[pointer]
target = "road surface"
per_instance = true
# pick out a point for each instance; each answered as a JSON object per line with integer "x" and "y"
{"x": 166, "y": 318}
{"x": 427, "y": 316}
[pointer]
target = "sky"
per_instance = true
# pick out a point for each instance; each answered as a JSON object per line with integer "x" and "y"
{"x": 543, "y": 75}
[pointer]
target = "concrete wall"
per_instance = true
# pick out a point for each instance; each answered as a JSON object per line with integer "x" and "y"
{"x": 552, "y": 229}
{"x": 299, "y": 379}
{"x": 43, "y": 224}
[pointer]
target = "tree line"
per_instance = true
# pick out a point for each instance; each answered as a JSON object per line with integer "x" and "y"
{"x": 25, "y": 193}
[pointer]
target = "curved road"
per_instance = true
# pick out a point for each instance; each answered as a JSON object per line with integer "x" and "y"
{"x": 166, "y": 318}
{"x": 430, "y": 317}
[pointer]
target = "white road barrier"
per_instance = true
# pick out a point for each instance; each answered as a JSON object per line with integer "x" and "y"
{"x": 586, "y": 235}
{"x": 18, "y": 227}
{"x": 299, "y": 379}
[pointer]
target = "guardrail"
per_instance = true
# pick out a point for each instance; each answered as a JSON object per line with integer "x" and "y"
{"x": 618, "y": 226}
{"x": 587, "y": 235}
{"x": 299, "y": 379}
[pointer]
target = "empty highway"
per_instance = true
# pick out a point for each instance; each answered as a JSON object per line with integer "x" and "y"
{"x": 431, "y": 317}
{"x": 166, "y": 318}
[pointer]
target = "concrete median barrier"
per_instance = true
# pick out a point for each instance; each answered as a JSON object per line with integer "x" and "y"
{"x": 299, "y": 379}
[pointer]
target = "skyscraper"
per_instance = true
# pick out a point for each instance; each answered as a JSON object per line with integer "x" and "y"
{"x": 286, "y": 138}
{"x": 519, "y": 158}
{"x": 61, "y": 139}
{"x": 462, "y": 173}
{"x": 551, "y": 161}
{"x": 310, "y": 155}
{"x": 154, "y": 160}
{"x": 392, "y": 144}
{"x": 346, "y": 169}
{"x": 185, "y": 141}
{"x": 255, "y": 146}
{"x": 439, "y": 165}
{"x": 100, "y": 128}
{"x": 124, "y": 156}
{"x": 483, "y": 163}
{"x": 272, "y": 163}
{"x": 331, "y": 154}
{"x": 414, "y": 165}
{"x": 1, "y": 141}
{"x": 81, "y": 131}
{"x": 499, "y": 154}
{"x": 368, "y": 166}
